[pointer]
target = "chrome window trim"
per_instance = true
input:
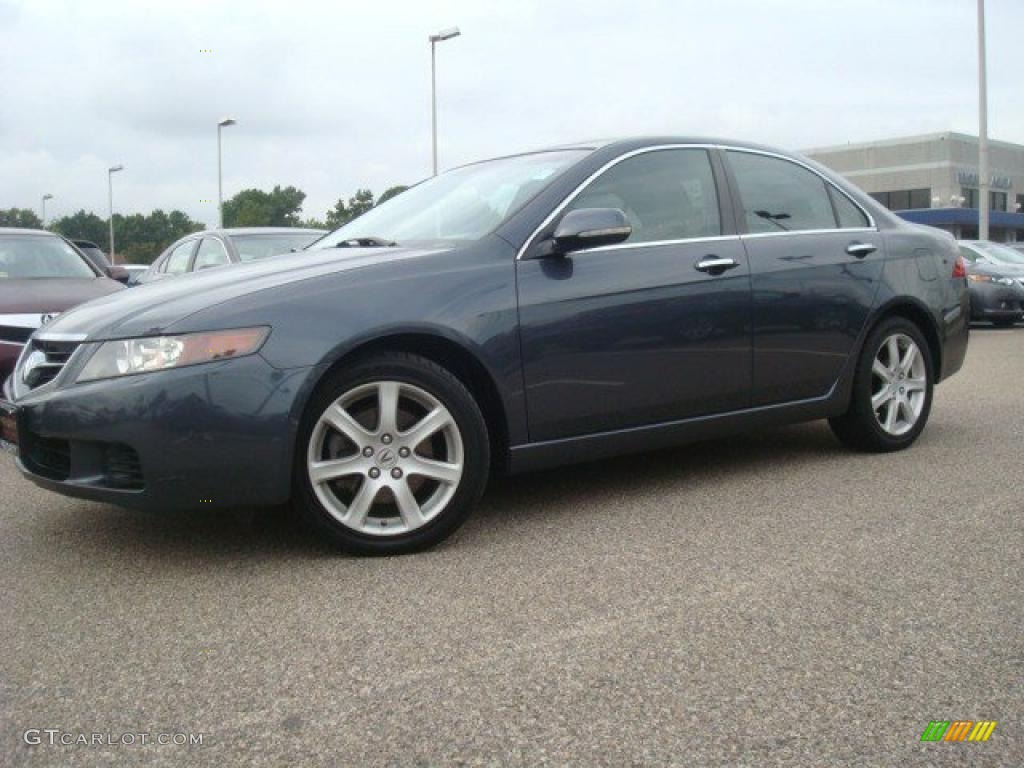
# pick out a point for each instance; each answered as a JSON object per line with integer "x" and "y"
{"x": 872, "y": 225}
{"x": 833, "y": 231}
{"x": 656, "y": 243}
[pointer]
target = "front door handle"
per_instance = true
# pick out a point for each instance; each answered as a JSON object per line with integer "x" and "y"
{"x": 715, "y": 265}
{"x": 860, "y": 250}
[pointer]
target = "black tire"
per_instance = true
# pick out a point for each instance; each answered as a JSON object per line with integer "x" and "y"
{"x": 446, "y": 388}
{"x": 859, "y": 428}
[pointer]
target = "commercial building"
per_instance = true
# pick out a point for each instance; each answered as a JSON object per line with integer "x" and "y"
{"x": 933, "y": 179}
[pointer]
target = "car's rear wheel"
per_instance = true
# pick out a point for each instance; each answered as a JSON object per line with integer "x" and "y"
{"x": 892, "y": 390}
{"x": 393, "y": 455}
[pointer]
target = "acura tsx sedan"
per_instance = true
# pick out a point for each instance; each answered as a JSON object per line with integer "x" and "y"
{"x": 517, "y": 313}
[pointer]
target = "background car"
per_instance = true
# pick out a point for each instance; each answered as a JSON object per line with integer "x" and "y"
{"x": 99, "y": 259}
{"x": 41, "y": 275}
{"x": 518, "y": 313}
{"x": 220, "y": 247}
{"x": 995, "y": 279}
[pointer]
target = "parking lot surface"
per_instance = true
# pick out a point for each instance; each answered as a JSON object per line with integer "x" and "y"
{"x": 767, "y": 599}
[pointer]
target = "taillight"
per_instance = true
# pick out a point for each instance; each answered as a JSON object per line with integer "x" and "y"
{"x": 959, "y": 268}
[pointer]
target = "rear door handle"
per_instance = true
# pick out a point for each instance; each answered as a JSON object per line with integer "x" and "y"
{"x": 860, "y": 250}
{"x": 715, "y": 265}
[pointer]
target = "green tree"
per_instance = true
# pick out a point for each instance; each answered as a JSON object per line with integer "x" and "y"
{"x": 20, "y": 217}
{"x": 255, "y": 208}
{"x": 141, "y": 238}
{"x": 84, "y": 226}
{"x": 391, "y": 192}
{"x": 342, "y": 212}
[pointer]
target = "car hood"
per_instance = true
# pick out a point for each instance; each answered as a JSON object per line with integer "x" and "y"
{"x": 997, "y": 270}
{"x": 153, "y": 307}
{"x": 52, "y": 294}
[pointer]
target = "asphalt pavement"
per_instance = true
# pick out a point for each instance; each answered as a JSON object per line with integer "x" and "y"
{"x": 771, "y": 599}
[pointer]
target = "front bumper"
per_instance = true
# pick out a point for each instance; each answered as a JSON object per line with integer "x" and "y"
{"x": 218, "y": 434}
{"x": 996, "y": 301}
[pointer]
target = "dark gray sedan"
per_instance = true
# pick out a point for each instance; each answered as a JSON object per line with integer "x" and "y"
{"x": 995, "y": 277}
{"x": 221, "y": 247}
{"x": 516, "y": 313}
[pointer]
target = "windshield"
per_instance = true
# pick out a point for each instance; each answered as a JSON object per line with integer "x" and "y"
{"x": 461, "y": 205}
{"x": 31, "y": 256}
{"x": 1001, "y": 253}
{"x": 253, "y": 247}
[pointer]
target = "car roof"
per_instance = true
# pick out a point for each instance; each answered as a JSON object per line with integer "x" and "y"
{"x": 627, "y": 143}
{"x": 25, "y": 231}
{"x": 262, "y": 231}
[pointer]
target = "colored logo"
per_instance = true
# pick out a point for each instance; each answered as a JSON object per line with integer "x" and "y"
{"x": 958, "y": 730}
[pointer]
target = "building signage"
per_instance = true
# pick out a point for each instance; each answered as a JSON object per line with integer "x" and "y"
{"x": 970, "y": 179}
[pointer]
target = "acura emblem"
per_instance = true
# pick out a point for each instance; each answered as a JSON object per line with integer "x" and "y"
{"x": 47, "y": 317}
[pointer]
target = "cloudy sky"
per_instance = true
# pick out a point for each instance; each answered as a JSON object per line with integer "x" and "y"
{"x": 335, "y": 95}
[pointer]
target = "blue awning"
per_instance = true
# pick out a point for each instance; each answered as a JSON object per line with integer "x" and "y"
{"x": 969, "y": 216}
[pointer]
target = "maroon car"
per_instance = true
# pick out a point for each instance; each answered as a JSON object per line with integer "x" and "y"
{"x": 41, "y": 275}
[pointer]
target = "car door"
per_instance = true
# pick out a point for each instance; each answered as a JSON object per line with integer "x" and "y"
{"x": 815, "y": 262}
{"x": 211, "y": 253}
{"x": 643, "y": 331}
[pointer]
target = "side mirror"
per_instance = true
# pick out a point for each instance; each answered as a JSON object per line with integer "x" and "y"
{"x": 589, "y": 228}
{"x": 118, "y": 273}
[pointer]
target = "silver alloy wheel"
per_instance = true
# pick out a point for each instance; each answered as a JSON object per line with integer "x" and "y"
{"x": 395, "y": 476}
{"x": 899, "y": 384}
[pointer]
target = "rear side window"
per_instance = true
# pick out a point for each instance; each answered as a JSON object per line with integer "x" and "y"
{"x": 177, "y": 262}
{"x": 211, "y": 254}
{"x": 779, "y": 196}
{"x": 848, "y": 215}
{"x": 666, "y": 195}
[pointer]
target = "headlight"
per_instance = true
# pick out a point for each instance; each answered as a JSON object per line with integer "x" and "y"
{"x": 990, "y": 279}
{"x": 156, "y": 353}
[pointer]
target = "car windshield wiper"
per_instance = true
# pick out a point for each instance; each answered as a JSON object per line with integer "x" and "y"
{"x": 365, "y": 242}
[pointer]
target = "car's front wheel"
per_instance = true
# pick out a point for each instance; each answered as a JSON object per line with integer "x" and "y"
{"x": 892, "y": 390}
{"x": 393, "y": 455}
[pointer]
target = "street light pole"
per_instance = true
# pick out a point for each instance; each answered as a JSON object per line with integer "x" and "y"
{"x": 46, "y": 197}
{"x": 444, "y": 34}
{"x": 110, "y": 200}
{"x": 220, "y": 180}
{"x": 984, "y": 176}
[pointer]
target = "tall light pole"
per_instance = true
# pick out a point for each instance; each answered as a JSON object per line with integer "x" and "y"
{"x": 984, "y": 177}
{"x": 46, "y": 197}
{"x": 110, "y": 201}
{"x": 220, "y": 182}
{"x": 444, "y": 34}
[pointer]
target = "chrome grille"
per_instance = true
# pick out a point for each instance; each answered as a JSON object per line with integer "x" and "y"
{"x": 43, "y": 360}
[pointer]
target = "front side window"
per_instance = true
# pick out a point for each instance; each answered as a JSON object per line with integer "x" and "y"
{"x": 777, "y": 195}
{"x": 666, "y": 194}
{"x": 177, "y": 262}
{"x": 33, "y": 256}
{"x": 211, "y": 254}
{"x": 461, "y": 205}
